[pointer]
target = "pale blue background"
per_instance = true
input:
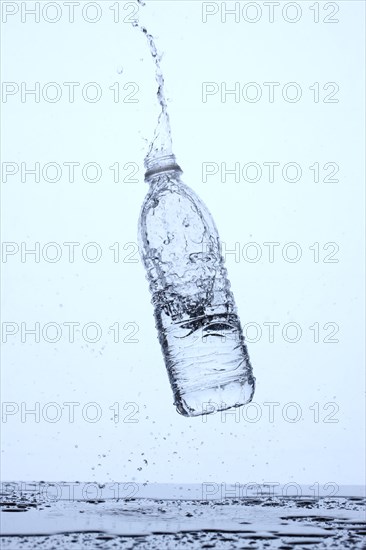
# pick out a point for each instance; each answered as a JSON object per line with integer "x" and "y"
{"x": 179, "y": 449}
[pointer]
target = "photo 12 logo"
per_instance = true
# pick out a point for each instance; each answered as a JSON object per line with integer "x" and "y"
{"x": 69, "y": 412}
{"x": 269, "y": 92}
{"x": 272, "y": 412}
{"x": 268, "y": 489}
{"x": 69, "y": 92}
{"x": 69, "y": 12}
{"x": 69, "y": 491}
{"x": 269, "y": 12}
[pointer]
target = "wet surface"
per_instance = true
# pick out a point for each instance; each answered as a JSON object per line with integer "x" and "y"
{"x": 38, "y": 516}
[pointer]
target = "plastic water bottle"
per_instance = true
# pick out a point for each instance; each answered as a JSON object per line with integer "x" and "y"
{"x": 196, "y": 318}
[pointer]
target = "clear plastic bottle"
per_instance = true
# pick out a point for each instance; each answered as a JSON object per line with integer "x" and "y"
{"x": 196, "y": 317}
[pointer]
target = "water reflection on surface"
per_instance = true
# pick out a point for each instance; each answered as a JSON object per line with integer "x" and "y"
{"x": 64, "y": 516}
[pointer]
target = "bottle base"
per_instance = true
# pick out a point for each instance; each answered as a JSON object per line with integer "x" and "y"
{"x": 210, "y": 400}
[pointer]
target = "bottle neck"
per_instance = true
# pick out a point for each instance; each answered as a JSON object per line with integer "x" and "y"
{"x": 161, "y": 164}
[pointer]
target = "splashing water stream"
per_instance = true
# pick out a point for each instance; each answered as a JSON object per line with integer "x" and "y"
{"x": 161, "y": 144}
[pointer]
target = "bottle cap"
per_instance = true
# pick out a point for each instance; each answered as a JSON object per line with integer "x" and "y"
{"x": 155, "y": 165}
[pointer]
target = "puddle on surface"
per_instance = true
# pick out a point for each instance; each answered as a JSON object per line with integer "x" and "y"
{"x": 37, "y": 516}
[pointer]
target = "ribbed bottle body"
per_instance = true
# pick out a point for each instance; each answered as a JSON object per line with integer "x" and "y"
{"x": 195, "y": 313}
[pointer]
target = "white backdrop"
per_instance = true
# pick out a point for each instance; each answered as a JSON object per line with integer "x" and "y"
{"x": 307, "y": 421}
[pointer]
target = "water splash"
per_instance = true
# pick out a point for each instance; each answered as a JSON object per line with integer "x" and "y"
{"x": 195, "y": 312}
{"x": 161, "y": 144}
